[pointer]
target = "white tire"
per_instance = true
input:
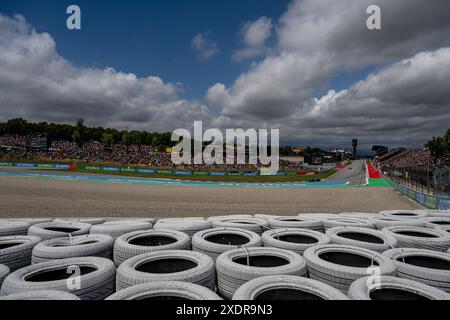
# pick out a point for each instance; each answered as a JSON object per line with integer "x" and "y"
{"x": 362, "y": 238}
{"x": 51, "y": 230}
{"x": 4, "y": 271}
{"x": 409, "y": 214}
{"x": 339, "y": 265}
{"x": 385, "y": 222}
{"x": 214, "y": 242}
{"x": 13, "y": 228}
{"x": 188, "y": 226}
{"x": 426, "y": 266}
{"x": 231, "y": 216}
{"x": 421, "y": 238}
{"x": 15, "y": 252}
{"x": 287, "y": 288}
{"x": 91, "y": 221}
{"x": 258, "y": 226}
{"x": 347, "y": 222}
{"x": 168, "y": 265}
{"x": 96, "y": 278}
{"x": 33, "y": 221}
{"x": 297, "y": 240}
{"x": 139, "y": 242}
{"x": 296, "y": 222}
{"x": 437, "y": 222}
{"x": 393, "y": 288}
{"x": 116, "y": 229}
{"x": 166, "y": 290}
{"x": 44, "y": 295}
{"x": 89, "y": 245}
{"x": 233, "y": 269}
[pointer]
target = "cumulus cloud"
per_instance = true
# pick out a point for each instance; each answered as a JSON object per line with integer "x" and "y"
{"x": 319, "y": 39}
{"x": 255, "y": 35}
{"x": 38, "y": 84}
{"x": 205, "y": 47}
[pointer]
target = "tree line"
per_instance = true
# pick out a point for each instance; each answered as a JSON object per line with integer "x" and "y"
{"x": 80, "y": 133}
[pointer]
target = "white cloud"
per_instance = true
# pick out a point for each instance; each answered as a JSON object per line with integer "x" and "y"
{"x": 38, "y": 84}
{"x": 255, "y": 35}
{"x": 205, "y": 47}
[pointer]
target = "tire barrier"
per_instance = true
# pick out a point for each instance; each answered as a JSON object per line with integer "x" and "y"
{"x": 44, "y": 295}
{"x": 118, "y": 228}
{"x": 51, "y": 230}
{"x": 296, "y": 240}
{"x": 168, "y": 265}
{"x": 360, "y": 215}
{"x": 363, "y": 238}
{"x": 91, "y": 221}
{"x": 437, "y": 222}
{"x": 420, "y": 238}
{"x": 385, "y": 222}
{"x": 4, "y": 271}
{"x": 255, "y": 225}
{"x": 425, "y": 266}
{"x": 339, "y": 265}
{"x": 96, "y": 278}
{"x": 392, "y": 288}
{"x": 89, "y": 245}
{"x": 136, "y": 243}
{"x": 347, "y": 222}
{"x": 409, "y": 214}
{"x": 15, "y": 252}
{"x": 296, "y": 222}
{"x": 238, "y": 266}
{"x": 33, "y": 221}
{"x": 13, "y": 228}
{"x": 167, "y": 290}
{"x": 287, "y": 288}
{"x": 214, "y": 242}
{"x": 188, "y": 226}
{"x": 233, "y": 216}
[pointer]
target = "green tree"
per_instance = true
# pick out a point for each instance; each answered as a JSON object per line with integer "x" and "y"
{"x": 107, "y": 140}
{"x": 79, "y": 133}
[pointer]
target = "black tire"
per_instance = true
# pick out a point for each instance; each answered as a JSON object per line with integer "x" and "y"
{"x": 339, "y": 265}
{"x": 287, "y": 288}
{"x": 116, "y": 229}
{"x": 16, "y": 251}
{"x": 296, "y": 240}
{"x": 421, "y": 238}
{"x": 392, "y": 288}
{"x": 233, "y": 271}
{"x": 4, "y": 271}
{"x": 96, "y": 279}
{"x": 426, "y": 266}
{"x": 51, "y": 230}
{"x": 168, "y": 265}
{"x": 167, "y": 290}
{"x": 213, "y": 242}
{"x": 362, "y": 238}
{"x": 296, "y": 222}
{"x": 139, "y": 242}
{"x": 44, "y": 295}
{"x": 13, "y": 228}
{"x": 258, "y": 226}
{"x": 89, "y": 245}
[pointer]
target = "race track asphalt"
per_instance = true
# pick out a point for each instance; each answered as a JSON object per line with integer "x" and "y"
{"x": 45, "y": 197}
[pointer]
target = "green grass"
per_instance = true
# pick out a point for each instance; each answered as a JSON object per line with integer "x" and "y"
{"x": 257, "y": 179}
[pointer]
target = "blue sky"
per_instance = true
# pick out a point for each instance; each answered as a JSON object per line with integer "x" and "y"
{"x": 150, "y": 37}
{"x": 311, "y": 68}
